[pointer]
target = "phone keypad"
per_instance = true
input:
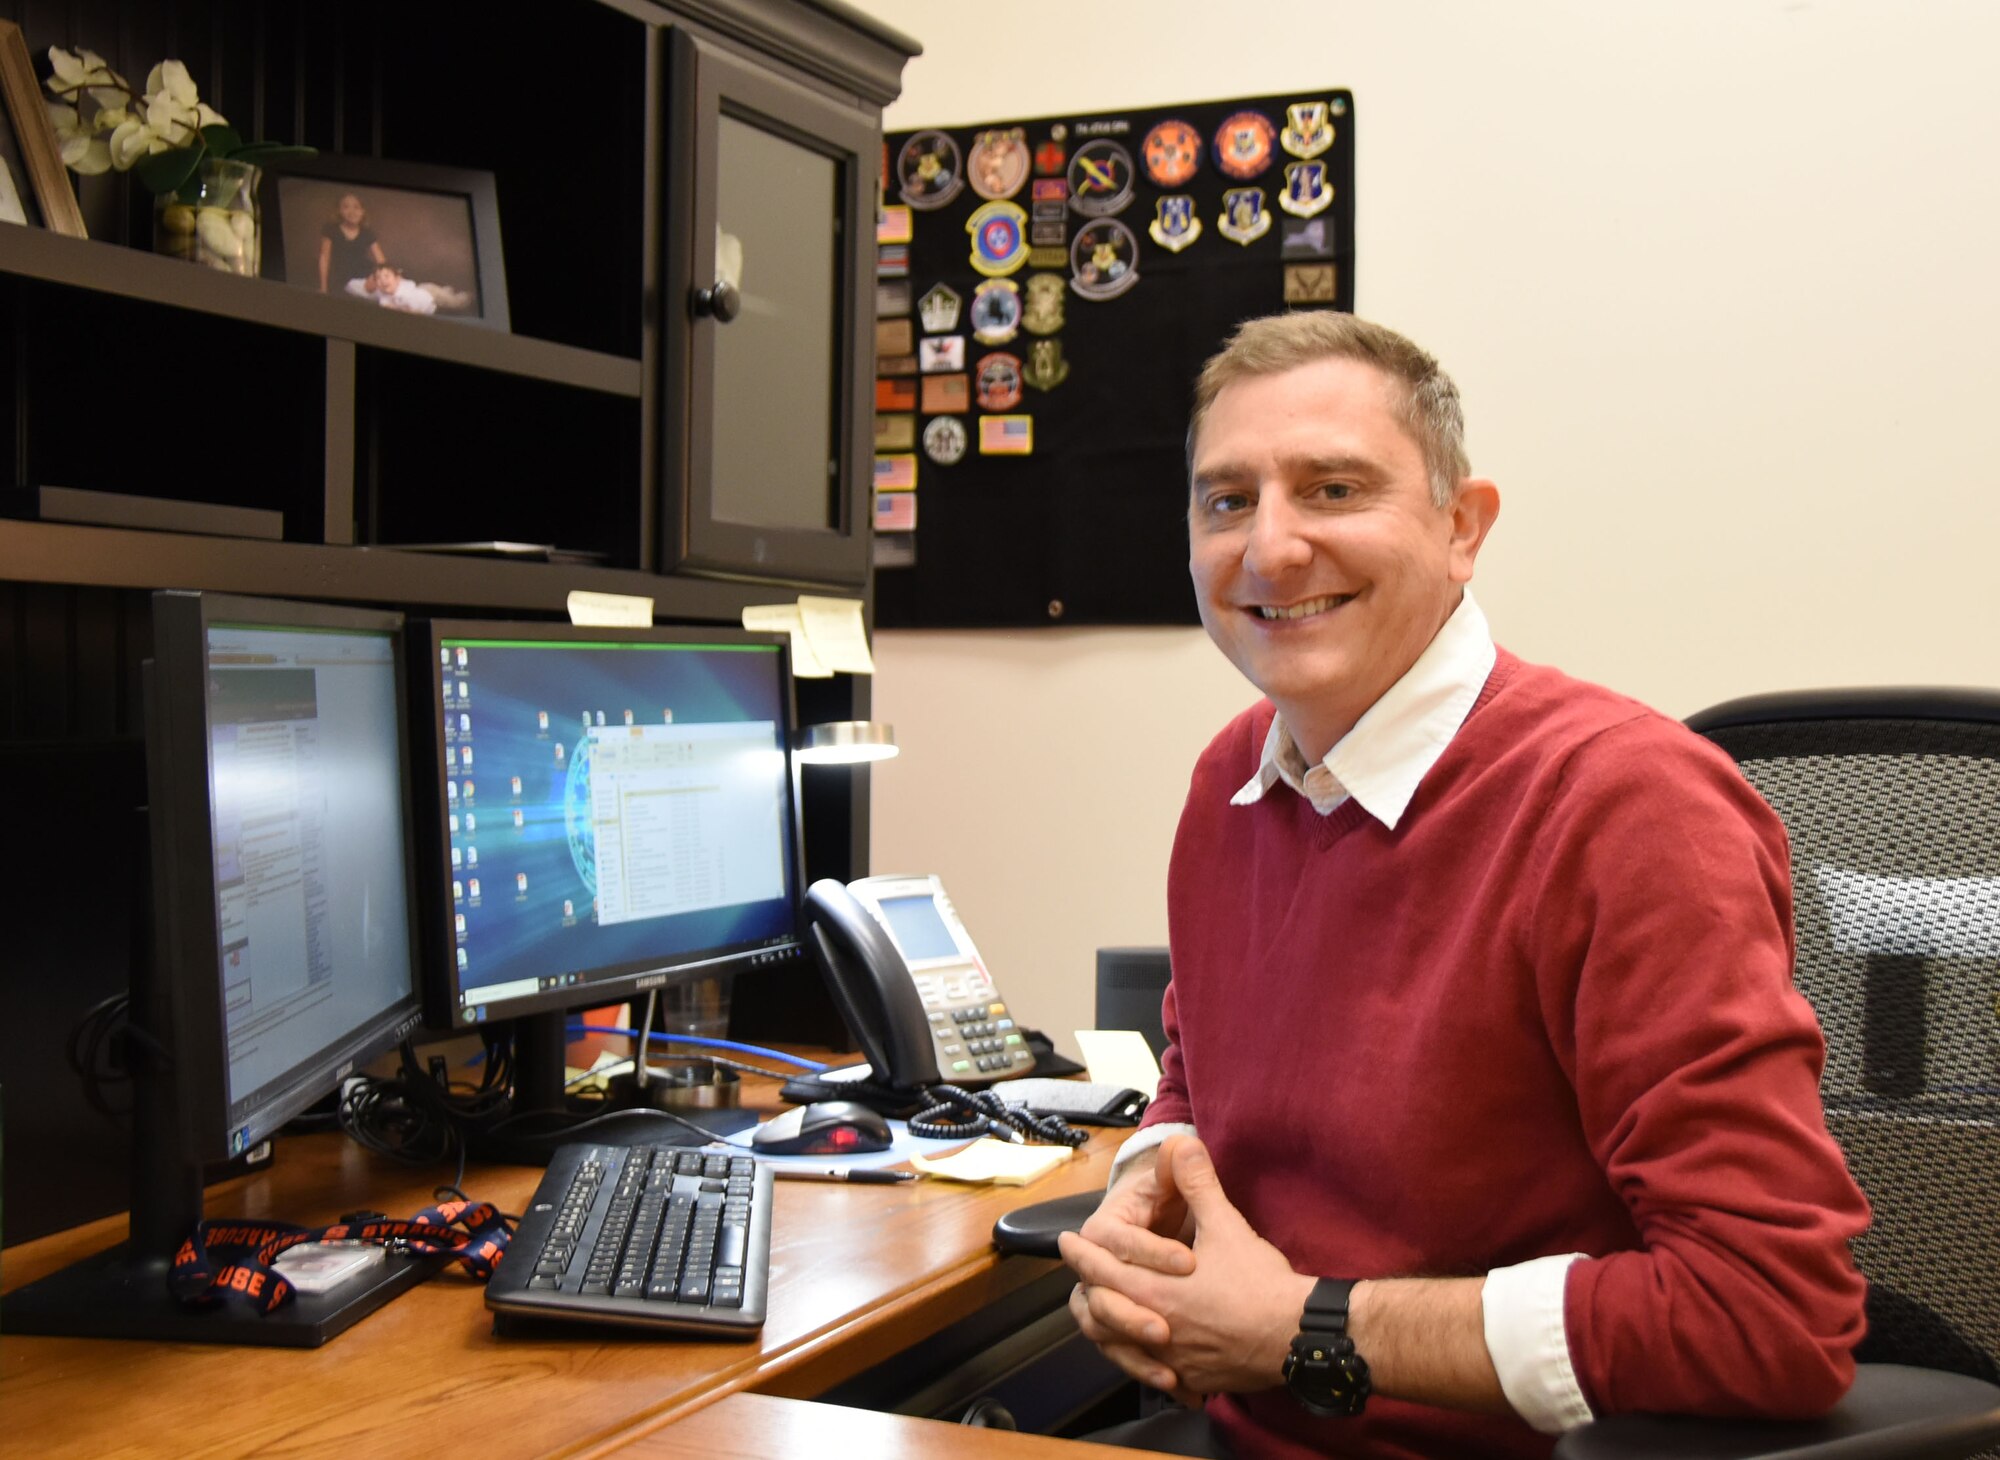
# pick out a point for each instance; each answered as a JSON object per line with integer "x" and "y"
{"x": 978, "y": 1039}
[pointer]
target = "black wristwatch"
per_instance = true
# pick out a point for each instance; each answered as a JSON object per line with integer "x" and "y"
{"x": 1323, "y": 1371}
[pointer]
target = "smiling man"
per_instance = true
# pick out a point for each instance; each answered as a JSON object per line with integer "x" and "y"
{"x": 1489, "y": 1105}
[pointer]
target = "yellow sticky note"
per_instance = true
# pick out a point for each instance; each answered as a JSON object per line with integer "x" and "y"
{"x": 610, "y": 610}
{"x": 783, "y": 618}
{"x": 1119, "y": 1057}
{"x": 994, "y": 1163}
{"x": 838, "y": 635}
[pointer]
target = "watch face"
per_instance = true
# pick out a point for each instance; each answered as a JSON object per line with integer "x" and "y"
{"x": 1327, "y": 1376}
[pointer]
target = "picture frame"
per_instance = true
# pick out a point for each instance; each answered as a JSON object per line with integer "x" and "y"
{"x": 436, "y": 228}
{"x": 34, "y": 185}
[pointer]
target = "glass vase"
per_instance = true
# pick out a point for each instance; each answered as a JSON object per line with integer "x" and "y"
{"x": 214, "y": 219}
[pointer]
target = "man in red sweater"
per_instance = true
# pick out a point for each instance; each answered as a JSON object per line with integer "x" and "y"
{"x": 1489, "y": 1105}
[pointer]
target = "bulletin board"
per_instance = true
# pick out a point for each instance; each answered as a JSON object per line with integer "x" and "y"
{"x": 1046, "y": 293}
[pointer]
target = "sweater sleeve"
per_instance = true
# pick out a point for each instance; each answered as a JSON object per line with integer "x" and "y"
{"x": 1661, "y": 934}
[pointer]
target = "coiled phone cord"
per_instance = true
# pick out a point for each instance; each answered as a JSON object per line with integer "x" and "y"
{"x": 959, "y": 1114}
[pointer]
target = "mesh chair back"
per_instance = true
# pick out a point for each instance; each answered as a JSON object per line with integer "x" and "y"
{"x": 1892, "y": 803}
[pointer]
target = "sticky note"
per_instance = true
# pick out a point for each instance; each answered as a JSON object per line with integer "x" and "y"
{"x": 837, "y": 633}
{"x": 783, "y": 618}
{"x": 1119, "y": 1057}
{"x": 994, "y": 1163}
{"x": 609, "y": 610}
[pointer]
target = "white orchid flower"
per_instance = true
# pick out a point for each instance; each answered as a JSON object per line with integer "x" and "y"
{"x": 83, "y": 152}
{"x": 170, "y": 79}
{"x": 74, "y": 72}
{"x": 132, "y": 141}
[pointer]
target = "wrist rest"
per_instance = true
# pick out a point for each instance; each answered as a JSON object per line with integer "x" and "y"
{"x": 1032, "y": 1230}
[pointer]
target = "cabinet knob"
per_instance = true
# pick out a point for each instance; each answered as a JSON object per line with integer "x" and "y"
{"x": 723, "y": 301}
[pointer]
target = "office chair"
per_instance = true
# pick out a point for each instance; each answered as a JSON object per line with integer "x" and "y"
{"x": 1891, "y": 799}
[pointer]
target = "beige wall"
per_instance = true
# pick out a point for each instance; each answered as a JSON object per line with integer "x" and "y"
{"x": 1718, "y": 281}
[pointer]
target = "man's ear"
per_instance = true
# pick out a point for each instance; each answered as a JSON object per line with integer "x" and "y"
{"x": 1473, "y": 511}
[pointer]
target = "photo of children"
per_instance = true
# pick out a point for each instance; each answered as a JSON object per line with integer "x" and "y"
{"x": 398, "y": 248}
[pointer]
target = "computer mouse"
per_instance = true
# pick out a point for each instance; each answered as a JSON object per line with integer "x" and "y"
{"x": 829, "y": 1128}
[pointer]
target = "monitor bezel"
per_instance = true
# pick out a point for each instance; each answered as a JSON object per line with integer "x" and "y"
{"x": 182, "y": 832}
{"x": 612, "y": 984}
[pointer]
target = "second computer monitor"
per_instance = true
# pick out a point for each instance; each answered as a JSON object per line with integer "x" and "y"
{"x": 607, "y": 810}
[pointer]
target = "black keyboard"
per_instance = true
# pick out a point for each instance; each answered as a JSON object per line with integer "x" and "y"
{"x": 654, "y": 1236}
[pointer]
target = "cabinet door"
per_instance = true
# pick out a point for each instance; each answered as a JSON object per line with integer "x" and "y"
{"x": 765, "y": 448}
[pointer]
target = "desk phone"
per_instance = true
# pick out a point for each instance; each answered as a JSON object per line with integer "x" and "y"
{"x": 911, "y": 984}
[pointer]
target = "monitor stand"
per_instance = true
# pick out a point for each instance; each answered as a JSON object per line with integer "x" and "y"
{"x": 542, "y": 1119}
{"x": 123, "y": 1293}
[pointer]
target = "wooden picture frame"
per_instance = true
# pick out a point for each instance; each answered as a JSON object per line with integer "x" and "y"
{"x": 438, "y": 227}
{"x": 39, "y": 191}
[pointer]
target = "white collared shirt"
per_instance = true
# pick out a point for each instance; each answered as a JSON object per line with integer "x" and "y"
{"x": 1380, "y": 763}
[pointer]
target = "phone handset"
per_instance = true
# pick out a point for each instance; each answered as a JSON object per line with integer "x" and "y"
{"x": 905, "y": 975}
{"x": 872, "y": 987}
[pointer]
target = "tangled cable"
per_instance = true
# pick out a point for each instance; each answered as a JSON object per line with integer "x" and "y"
{"x": 960, "y": 1114}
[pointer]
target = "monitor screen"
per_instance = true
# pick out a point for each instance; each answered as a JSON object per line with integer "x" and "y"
{"x": 607, "y": 808}
{"x": 282, "y": 851}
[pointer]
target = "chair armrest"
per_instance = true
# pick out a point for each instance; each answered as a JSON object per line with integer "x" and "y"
{"x": 1032, "y": 1231}
{"x": 1892, "y": 1413}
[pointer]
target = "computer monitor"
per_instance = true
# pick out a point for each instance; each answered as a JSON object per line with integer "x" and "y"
{"x": 603, "y": 812}
{"x": 282, "y": 953}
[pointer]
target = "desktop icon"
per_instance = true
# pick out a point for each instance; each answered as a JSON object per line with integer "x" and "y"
{"x": 472, "y": 856}
{"x": 461, "y": 658}
{"x": 464, "y": 690}
{"x": 458, "y": 856}
{"x": 521, "y": 882}
{"x": 458, "y": 924}
{"x": 457, "y": 890}
{"x": 628, "y": 717}
{"x": 454, "y": 823}
{"x": 465, "y": 724}
{"x": 474, "y": 885}
{"x": 444, "y": 658}
{"x": 465, "y": 757}
{"x": 461, "y": 958}
{"x": 569, "y": 908}
{"x": 600, "y": 717}
{"x": 471, "y": 822}
{"x": 542, "y": 720}
{"x": 559, "y": 752}
{"x": 515, "y": 782}
{"x": 451, "y": 755}
{"x": 451, "y": 790}
{"x": 518, "y": 823}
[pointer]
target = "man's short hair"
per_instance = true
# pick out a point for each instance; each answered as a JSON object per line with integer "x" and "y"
{"x": 1428, "y": 403}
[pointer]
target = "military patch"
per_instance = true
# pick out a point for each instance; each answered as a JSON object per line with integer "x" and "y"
{"x": 1051, "y": 158}
{"x": 1049, "y": 256}
{"x": 1243, "y": 145}
{"x": 1244, "y": 218}
{"x": 1006, "y": 435}
{"x": 895, "y": 511}
{"x": 939, "y": 309}
{"x": 893, "y": 337}
{"x": 896, "y": 473}
{"x": 895, "y": 364}
{"x": 895, "y": 431}
{"x": 996, "y": 381}
{"x": 1309, "y": 283}
{"x": 1174, "y": 224}
{"x": 892, "y": 297}
{"x": 929, "y": 170}
{"x": 1100, "y": 179}
{"x": 942, "y": 354}
{"x": 998, "y": 163}
{"x": 1172, "y": 153}
{"x": 999, "y": 238}
{"x": 1050, "y": 210}
{"x": 1307, "y": 193}
{"x": 1104, "y": 260}
{"x": 1049, "y": 190}
{"x": 1307, "y": 132}
{"x": 1306, "y": 238}
{"x": 892, "y": 261}
{"x": 1047, "y": 235}
{"x": 996, "y": 311}
{"x": 1044, "y": 312}
{"x": 896, "y": 395}
{"x": 1046, "y": 368}
{"x": 945, "y": 395}
{"x": 895, "y": 224}
{"x": 945, "y": 441}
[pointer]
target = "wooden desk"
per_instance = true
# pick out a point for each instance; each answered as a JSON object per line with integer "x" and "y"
{"x": 759, "y": 1427}
{"x": 427, "y": 1375}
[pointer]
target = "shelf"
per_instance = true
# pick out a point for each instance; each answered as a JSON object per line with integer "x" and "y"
{"x": 112, "y": 557}
{"x": 103, "y": 268}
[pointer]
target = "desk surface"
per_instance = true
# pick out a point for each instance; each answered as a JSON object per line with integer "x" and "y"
{"x": 426, "y": 1373}
{"x": 759, "y": 1427}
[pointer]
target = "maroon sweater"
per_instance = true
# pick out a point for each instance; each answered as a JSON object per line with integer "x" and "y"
{"x": 1551, "y": 1012}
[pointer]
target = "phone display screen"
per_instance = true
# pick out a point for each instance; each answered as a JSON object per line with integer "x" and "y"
{"x": 918, "y": 930}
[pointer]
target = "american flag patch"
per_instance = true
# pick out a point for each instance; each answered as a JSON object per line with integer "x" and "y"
{"x": 1006, "y": 435}
{"x": 895, "y": 511}
{"x": 896, "y": 473}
